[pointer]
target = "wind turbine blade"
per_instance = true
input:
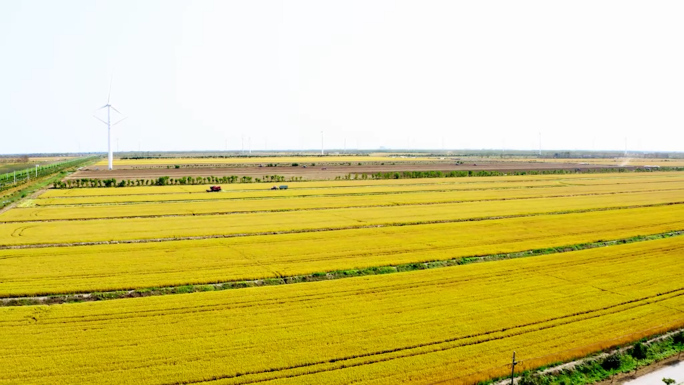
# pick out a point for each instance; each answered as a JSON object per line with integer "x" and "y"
{"x": 105, "y": 106}
{"x": 120, "y": 121}
{"x": 99, "y": 119}
{"x": 115, "y": 110}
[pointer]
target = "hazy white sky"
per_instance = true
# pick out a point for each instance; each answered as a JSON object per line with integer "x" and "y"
{"x": 418, "y": 74}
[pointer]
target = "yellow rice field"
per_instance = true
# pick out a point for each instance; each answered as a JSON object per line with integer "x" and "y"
{"x": 642, "y": 194}
{"x": 476, "y": 190}
{"x": 121, "y": 229}
{"x": 456, "y": 324}
{"x": 266, "y": 192}
{"x": 130, "y": 266}
{"x": 448, "y": 324}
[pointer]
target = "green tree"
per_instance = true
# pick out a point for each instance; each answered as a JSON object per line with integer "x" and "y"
{"x": 639, "y": 351}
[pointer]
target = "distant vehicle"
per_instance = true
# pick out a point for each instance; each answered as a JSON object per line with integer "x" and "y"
{"x": 274, "y": 188}
{"x": 304, "y": 166}
{"x": 282, "y": 187}
{"x": 214, "y": 189}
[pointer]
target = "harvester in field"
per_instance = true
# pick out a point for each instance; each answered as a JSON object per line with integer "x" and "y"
{"x": 214, "y": 189}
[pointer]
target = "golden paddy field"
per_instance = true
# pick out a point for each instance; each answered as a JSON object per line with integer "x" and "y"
{"x": 457, "y": 324}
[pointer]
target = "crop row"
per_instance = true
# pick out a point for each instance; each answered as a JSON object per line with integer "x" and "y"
{"x": 121, "y": 229}
{"x": 420, "y": 326}
{"x": 613, "y": 195}
{"x": 142, "y": 265}
{"x": 265, "y": 192}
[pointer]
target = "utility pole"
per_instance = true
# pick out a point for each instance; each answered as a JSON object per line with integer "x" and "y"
{"x": 513, "y": 368}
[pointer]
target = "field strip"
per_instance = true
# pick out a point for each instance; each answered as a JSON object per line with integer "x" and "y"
{"x": 474, "y": 193}
{"x": 111, "y": 231}
{"x": 241, "y": 187}
{"x": 418, "y": 326}
{"x": 50, "y": 298}
{"x": 294, "y": 193}
{"x": 428, "y": 347}
{"x": 121, "y": 229}
{"x": 78, "y": 213}
{"x": 115, "y": 266}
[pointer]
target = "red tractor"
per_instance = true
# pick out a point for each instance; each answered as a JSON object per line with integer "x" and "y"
{"x": 214, "y": 189}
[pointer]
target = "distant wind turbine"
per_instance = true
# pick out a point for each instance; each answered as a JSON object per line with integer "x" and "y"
{"x": 109, "y": 124}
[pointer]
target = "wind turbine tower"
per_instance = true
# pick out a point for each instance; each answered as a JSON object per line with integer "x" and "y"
{"x": 109, "y": 124}
{"x": 540, "y": 144}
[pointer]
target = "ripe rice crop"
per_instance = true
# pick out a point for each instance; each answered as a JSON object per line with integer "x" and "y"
{"x": 621, "y": 195}
{"x": 198, "y": 226}
{"x": 445, "y": 324}
{"x": 475, "y": 189}
{"x": 266, "y": 192}
{"x": 129, "y": 266}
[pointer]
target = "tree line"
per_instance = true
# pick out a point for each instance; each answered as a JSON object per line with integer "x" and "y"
{"x": 230, "y": 179}
{"x": 168, "y": 181}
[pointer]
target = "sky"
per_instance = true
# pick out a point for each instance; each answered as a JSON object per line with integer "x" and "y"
{"x": 273, "y": 75}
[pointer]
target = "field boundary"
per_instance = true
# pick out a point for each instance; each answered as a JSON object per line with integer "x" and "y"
{"x": 54, "y": 299}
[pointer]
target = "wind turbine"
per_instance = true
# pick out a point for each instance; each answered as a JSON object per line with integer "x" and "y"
{"x": 109, "y": 124}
